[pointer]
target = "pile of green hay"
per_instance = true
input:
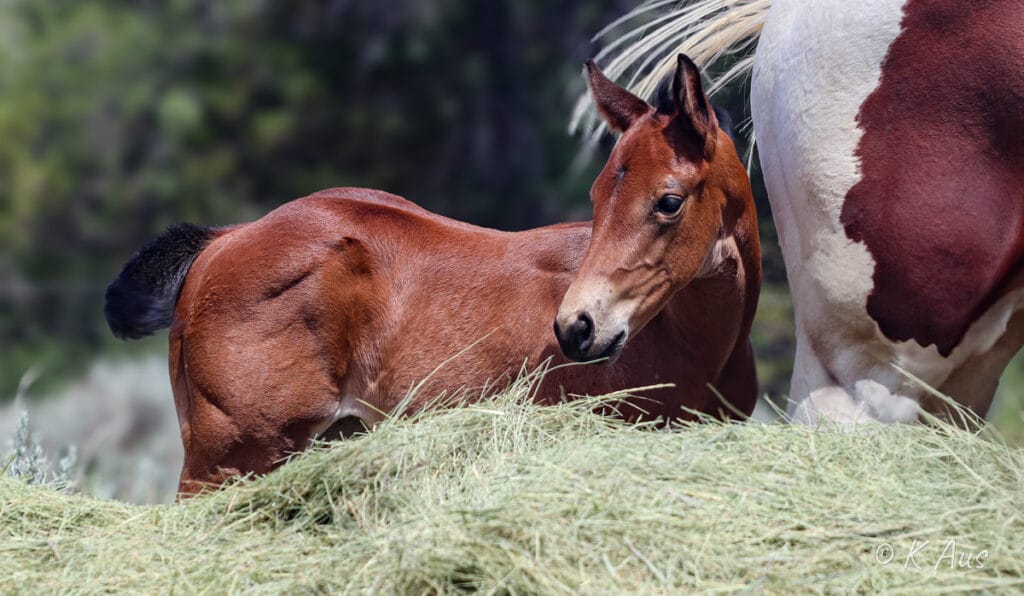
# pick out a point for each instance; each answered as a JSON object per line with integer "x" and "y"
{"x": 511, "y": 497}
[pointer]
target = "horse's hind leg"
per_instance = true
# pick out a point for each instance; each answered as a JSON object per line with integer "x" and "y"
{"x": 264, "y": 328}
{"x": 247, "y": 414}
{"x": 221, "y": 443}
{"x": 816, "y": 395}
{"x": 974, "y": 382}
{"x": 218, "y": 447}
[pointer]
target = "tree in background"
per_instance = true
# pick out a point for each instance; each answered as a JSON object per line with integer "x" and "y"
{"x": 118, "y": 118}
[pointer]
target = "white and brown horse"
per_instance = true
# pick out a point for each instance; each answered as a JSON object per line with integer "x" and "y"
{"x": 891, "y": 136}
{"x": 335, "y": 306}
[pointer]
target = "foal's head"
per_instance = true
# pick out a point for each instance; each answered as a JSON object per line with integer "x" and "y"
{"x": 659, "y": 208}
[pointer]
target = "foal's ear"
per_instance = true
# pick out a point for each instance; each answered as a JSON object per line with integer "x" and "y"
{"x": 694, "y": 113}
{"x": 618, "y": 107}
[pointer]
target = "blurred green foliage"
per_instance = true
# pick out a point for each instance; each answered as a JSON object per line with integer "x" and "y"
{"x": 118, "y": 118}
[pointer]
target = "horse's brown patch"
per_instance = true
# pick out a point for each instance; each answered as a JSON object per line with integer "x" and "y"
{"x": 940, "y": 205}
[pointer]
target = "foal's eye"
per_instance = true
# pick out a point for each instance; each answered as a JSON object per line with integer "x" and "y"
{"x": 669, "y": 205}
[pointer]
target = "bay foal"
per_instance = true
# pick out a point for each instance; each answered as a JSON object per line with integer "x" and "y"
{"x": 332, "y": 307}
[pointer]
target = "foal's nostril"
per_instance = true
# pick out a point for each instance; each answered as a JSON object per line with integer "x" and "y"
{"x": 577, "y": 337}
{"x": 583, "y": 332}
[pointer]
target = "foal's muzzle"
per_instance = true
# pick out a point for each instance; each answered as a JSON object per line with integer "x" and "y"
{"x": 577, "y": 340}
{"x": 577, "y": 337}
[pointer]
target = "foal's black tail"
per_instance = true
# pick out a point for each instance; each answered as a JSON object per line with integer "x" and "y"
{"x": 140, "y": 301}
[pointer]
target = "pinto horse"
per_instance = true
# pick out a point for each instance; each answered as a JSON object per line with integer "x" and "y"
{"x": 331, "y": 308}
{"x": 891, "y": 136}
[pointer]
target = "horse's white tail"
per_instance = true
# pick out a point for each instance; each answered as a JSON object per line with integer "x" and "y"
{"x": 705, "y": 30}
